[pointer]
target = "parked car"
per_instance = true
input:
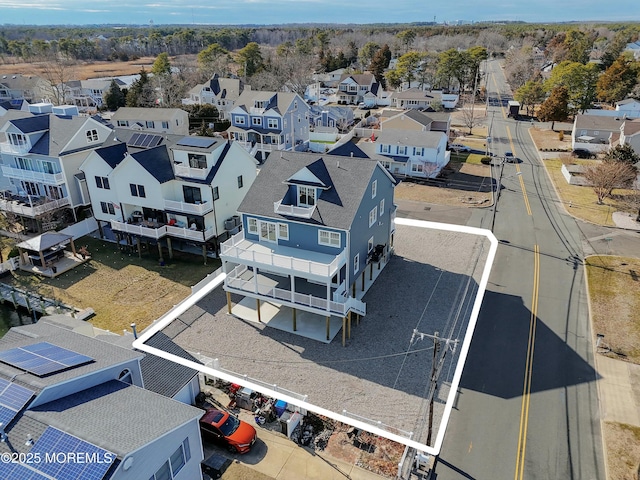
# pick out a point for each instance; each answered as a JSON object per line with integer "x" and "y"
{"x": 227, "y": 430}
{"x": 583, "y": 153}
{"x": 458, "y": 147}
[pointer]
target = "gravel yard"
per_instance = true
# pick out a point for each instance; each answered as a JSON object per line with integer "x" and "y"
{"x": 428, "y": 285}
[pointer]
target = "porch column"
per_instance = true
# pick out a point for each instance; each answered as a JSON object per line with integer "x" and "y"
{"x": 204, "y": 252}
{"x": 295, "y": 326}
{"x": 169, "y": 248}
{"x": 349, "y": 324}
{"x": 160, "y": 251}
{"x": 258, "y": 309}
{"x": 328, "y": 292}
{"x": 328, "y": 326}
{"x": 138, "y": 244}
{"x": 293, "y": 287}
{"x": 42, "y": 259}
{"x": 344, "y": 330}
{"x": 255, "y": 278}
{"x": 73, "y": 248}
{"x": 229, "y": 303}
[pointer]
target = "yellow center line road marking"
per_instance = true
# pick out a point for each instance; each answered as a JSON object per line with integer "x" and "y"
{"x": 504, "y": 114}
{"x": 528, "y": 370}
{"x": 522, "y": 187}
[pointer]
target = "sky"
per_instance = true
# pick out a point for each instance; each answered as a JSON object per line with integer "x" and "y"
{"x": 261, "y": 12}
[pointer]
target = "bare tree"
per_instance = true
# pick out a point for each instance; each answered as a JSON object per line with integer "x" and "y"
{"x": 469, "y": 117}
{"x": 57, "y": 72}
{"x": 604, "y": 177}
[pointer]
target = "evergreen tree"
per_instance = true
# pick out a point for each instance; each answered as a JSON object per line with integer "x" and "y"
{"x": 114, "y": 98}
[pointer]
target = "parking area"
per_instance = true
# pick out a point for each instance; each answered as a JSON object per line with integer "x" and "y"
{"x": 383, "y": 373}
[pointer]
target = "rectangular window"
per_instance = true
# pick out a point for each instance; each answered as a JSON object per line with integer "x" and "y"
{"x": 240, "y": 182}
{"x": 123, "y": 123}
{"x": 107, "y": 207}
{"x": 102, "y": 182}
{"x": 373, "y": 216}
{"x": 374, "y": 189}
{"x": 149, "y": 124}
{"x": 191, "y": 194}
{"x": 137, "y": 190}
{"x": 165, "y": 124}
{"x": 187, "y": 449}
{"x": 416, "y": 167}
{"x": 252, "y": 225}
{"x": 331, "y": 239}
{"x": 386, "y": 165}
{"x": 92, "y": 135}
{"x": 381, "y": 213}
{"x": 402, "y": 150}
{"x": 283, "y": 231}
{"x": 370, "y": 245}
{"x": 164, "y": 472}
{"x": 272, "y": 122}
{"x": 385, "y": 148}
{"x": 197, "y": 160}
{"x": 418, "y": 151}
{"x": 356, "y": 263}
{"x": 256, "y": 121}
{"x": 239, "y": 119}
{"x": 177, "y": 461}
{"x": 306, "y": 196}
{"x": 216, "y": 193}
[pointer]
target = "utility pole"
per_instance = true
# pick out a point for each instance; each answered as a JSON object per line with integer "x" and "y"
{"x": 436, "y": 366}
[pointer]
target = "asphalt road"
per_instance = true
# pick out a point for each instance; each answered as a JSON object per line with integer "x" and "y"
{"x": 528, "y": 404}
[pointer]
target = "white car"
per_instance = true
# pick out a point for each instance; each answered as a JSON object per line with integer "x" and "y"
{"x": 460, "y": 148}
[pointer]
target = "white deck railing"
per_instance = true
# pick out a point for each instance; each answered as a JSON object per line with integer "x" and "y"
{"x": 232, "y": 250}
{"x": 139, "y": 229}
{"x": 188, "y": 208}
{"x": 32, "y": 210}
{"x": 234, "y": 281}
{"x": 22, "y": 174}
{"x": 7, "y": 147}
{"x": 183, "y": 171}
{"x": 189, "y": 234}
{"x": 293, "y": 210}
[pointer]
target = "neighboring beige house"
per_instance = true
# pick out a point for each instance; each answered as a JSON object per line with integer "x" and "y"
{"x": 157, "y": 120}
{"x": 423, "y": 99}
{"x": 31, "y": 88}
{"x": 414, "y": 120}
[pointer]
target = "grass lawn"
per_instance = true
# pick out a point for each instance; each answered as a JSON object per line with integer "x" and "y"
{"x": 121, "y": 287}
{"x": 583, "y": 200}
{"x": 623, "y": 450}
{"x": 614, "y": 286}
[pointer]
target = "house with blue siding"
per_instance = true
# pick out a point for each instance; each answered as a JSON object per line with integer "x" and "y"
{"x": 65, "y": 393}
{"x": 315, "y": 228}
{"x": 264, "y": 122}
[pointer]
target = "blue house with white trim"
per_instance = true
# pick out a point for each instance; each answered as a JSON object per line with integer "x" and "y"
{"x": 315, "y": 228}
{"x": 263, "y": 122}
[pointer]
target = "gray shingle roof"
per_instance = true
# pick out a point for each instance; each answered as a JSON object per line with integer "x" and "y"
{"x": 598, "y": 122}
{"x": 164, "y": 376}
{"x": 409, "y": 138}
{"x": 335, "y": 208}
{"x": 104, "y": 354}
{"x": 116, "y": 416}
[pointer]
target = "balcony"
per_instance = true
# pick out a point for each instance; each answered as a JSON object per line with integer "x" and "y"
{"x": 242, "y": 281}
{"x": 33, "y": 206}
{"x": 293, "y": 210}
{"x": 190, "y": 172}
{"x": 188, "y": 208}
{"x": 285, "y": 260}
{"x": 188, "y": 234}
{"x": 6, "y": 147}
{"x": 148, "y": 229}
{"x": 33, "y": 176}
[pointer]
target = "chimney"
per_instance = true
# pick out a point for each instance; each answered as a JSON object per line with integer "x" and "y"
{"x": 338, "y": 163}
{"x": 135, "y": 331}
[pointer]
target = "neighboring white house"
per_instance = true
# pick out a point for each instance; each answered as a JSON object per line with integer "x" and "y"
{"x": 182, "y": 192}
{"x": 24, "y": 87}
{"x": 423, "y": 99}
{"x": 359, "y": 88}
{"x": 595, "y": 132}
{"x": 218, "y": 91}
{"x": 88, "y": 95}
{"x": 152, "y": 120}
{"x": 408, "y": 153}
{"x": 415, "y": 120}
{"x": 630, "y": 134}
{"x": 41, "y": 155}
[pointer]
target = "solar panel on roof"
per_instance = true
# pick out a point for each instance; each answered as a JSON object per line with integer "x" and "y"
{"x": 200, "y": 142}
{"x": 157, "y": 139}
{"x": 19, "y": 471}
{"x": 147, "y": 140}
{"x": 53, "y": 440}
{"x": 12, "y": 400}
{"x": 43, "y": 358}
{"x": 134, "y": 138}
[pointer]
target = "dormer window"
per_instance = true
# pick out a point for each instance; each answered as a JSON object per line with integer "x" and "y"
{"x": 17, "y": 139}
{"x": 306, "y": 196}
{"x": 92, "y": 135}
{"x": 197, "y": 160}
